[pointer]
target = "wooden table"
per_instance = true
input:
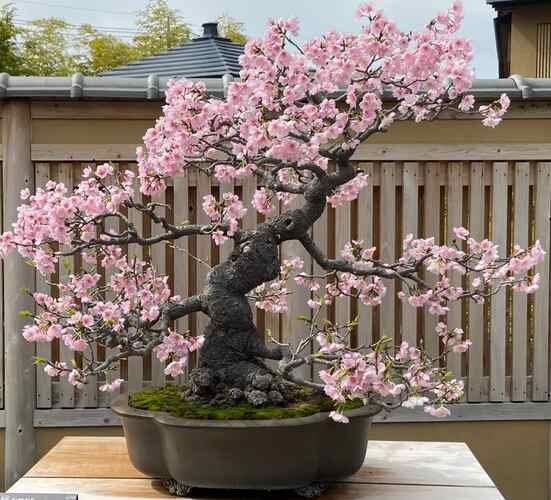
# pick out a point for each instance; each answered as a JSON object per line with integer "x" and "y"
{"x": 99, "y": 468}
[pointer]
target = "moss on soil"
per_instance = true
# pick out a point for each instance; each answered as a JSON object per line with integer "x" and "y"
{"x": 170, "y": 399}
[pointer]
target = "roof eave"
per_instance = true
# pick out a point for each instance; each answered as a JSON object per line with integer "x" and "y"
{"x": 152, "y": 87}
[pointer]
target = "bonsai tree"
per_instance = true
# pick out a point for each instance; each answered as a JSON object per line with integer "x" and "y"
{"x": 293, "y": 120}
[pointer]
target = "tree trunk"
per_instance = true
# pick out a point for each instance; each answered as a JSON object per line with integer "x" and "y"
{"x": 233, "y": 351}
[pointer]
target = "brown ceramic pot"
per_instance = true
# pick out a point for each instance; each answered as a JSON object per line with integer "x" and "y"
{"x": 245, "y": 454}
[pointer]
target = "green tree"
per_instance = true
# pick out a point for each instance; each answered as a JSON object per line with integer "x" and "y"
{"x": 10, "y": 62}
{"x": 53, "y": 46}
{"x": 161, "y": 28}
{"x": 99, "y": 52}
{"x": 232, "y": 29}
{"x": 46, "y": 48}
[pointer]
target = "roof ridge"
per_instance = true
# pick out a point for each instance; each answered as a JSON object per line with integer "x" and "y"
{"x": 221, "y": 56}
{"x": 200, "y": 57}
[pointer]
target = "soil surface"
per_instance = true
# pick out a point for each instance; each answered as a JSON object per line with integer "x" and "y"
{"x": 299, "y": 402}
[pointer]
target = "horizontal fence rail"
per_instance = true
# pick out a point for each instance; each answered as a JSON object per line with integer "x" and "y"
{"x": 507, "y": 201}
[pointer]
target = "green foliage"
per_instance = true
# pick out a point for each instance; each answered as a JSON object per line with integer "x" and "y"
{"x": 101, "y": 52}
{"x": 232, "y": 29}
{"x": 9, "y": 59}
{"x": 170, "y": 399}
{"x": 45, "y": 48}
{"x": 162, "y": 28}
{"x": 54, "y": 47}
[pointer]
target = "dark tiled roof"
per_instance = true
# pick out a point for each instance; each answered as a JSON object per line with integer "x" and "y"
{"x": 209, "y": 56}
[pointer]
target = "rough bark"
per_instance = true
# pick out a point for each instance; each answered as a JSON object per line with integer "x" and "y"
{"x": 232, "y": 355}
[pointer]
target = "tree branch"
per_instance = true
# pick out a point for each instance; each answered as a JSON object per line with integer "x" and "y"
{"x": 345, "y": 267}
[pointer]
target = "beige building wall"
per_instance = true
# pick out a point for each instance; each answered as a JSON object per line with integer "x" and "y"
{"x": 524, "y": 37}
{"x": 524, "y": 131}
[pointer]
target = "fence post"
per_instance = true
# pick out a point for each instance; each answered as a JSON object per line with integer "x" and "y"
{"x": 18, "y": 173}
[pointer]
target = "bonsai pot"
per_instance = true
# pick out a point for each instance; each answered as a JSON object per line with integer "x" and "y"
{"x": 290, "y": 453}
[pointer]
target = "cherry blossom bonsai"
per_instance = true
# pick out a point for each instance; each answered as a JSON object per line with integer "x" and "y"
{"x": 293, "y": 120}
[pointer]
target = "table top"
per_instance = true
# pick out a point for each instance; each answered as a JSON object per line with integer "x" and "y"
{"x": 98, "y": 468}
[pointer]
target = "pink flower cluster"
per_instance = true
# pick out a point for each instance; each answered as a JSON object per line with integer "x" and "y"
{"x": 481, "y": 262}
{"x": 82, "y": 316}
{"x": 493, "y": 113}
{"x": 290, "y": 107}
{"x": 227, "y": 212}
{"x": 176, "y": 348}
{"x": 272, "y": 296}
{"x": 452, "y": 340}
{"x": 57, "y": 215}
{"x": 348, "y": 192}
{"x": 405, "y": 378}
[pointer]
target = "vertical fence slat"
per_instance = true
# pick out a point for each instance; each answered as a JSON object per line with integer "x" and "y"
{"x": 365, "y": 234}
{"x": 249, "y": 221}
{"x": 321, "y": 237}
{"x": 43, "y": 349}
{"x": 135, "y": 218}
{"x": 432, "y": 228}
{"x": 272, "y": 321}
{"x": 476, "y": 311}
{"x": 226, "y": 248}
{"x": 88, "y": 396}
{"x": 541, "y": 298}
{"x": 520, "y": 301}
{"x": 388, "y": 244}
{"x": 181, "y": 250}
{"x": 181, "y": 253}
{"x": 112, "y": 225}
{"x": 66, "y": 267}
{"x": 410, "y": 213}
{"x": 498, "y": 305}
{"x": 2, "y": 297}
{"x": 158, "y": 260}
{"x": 343, "y": 235}
{"x": 203, "y": 246}
{"x": 455, "y": 219}
{"x": 293, "y": 329}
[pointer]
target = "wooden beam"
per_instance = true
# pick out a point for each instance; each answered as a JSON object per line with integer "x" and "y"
{"x": 463, "y": 412}
{"x": 84, "y": 152}
{"x": 452, "y": 152}
{"x": 18, "y": 173}
{"x": 136, "y": 110}
{"x": 80, "y": 110}
{"x": 366, "y": 152}
{"x": 475, "y": 412}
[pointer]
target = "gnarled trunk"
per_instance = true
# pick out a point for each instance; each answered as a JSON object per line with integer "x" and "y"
{"x": 232, "y": 355}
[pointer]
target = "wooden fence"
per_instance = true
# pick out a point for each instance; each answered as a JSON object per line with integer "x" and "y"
{"x": 507, "y": 201}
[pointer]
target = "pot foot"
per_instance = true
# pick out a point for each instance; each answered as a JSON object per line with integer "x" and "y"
{"x": 313, "y": 490}
{"x": 175, "y": 487}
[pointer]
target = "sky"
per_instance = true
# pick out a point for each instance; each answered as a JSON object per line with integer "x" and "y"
{"x": 316, "y": 16}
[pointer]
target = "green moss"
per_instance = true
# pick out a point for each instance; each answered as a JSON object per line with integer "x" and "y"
{"x": 170, "y": 399}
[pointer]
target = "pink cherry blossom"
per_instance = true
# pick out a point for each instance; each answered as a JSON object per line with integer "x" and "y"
{"x": 111, "y": 387}
{"x": 339, "y": 417}
{"x": 293, "y": 120}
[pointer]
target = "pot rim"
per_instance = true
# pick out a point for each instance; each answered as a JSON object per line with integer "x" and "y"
{"x": 121, "y": 407}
